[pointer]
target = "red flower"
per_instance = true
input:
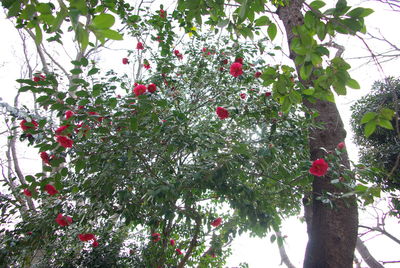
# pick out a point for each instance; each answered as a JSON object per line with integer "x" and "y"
{"x": 222, "y": 113}
{"x": 63, "y": 220}
{"x": 341, "y": 145}
{"x": 95, "y": 244}
{"x": 27, "y": 192}
{"x": 25, "y": 127}
{"x": 239, "y": 60}
{"x": 267, "y": 94}
{"x": 139, "y": 45}
{"x": 178, "y": 251}
{"x": 162, "y": 13}
{"x": 319, "y": 167}
{"x": 178, "y": 54}
{"x": 45, "y": 157}
{"x": 139, "y": 90}
{"x": 172, "y": 242}
{"x": 225, "y": 61}
{"x": 50, "y": 189}
{"x": 152, "y": 88}
{"x": 29, "y": 233}
{"x": 257, "y": 74}
{"x": 217, "y": 222}
{"x": 80, "y": 107}
{"x": 204, "y": 49}
{"x": 39, "y": 77}
{"x": 236, "y": 69}
{"x": 68, "y": 114}
{"x": 146, "y": 66}
{"x": 243, "y": 96}
{"x": 125, "y": 61}
{"x": 86, "y": 237}
{"x": 156, "y": 237}
{"x": 60, "y": 130}
{"x": 64, "y": 141}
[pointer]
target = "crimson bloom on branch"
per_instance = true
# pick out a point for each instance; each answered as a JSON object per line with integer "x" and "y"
{"x": 146, "y": 66}
{"x": 68, "y": 114}
{"x": 45, "y": 157}
{"x": 63, "y": 220}
{"x": 156, "y": 237}
{"x": 239, "y": 60}
{"x": 139, "y": 90}
{"x": 341, "y": 145}
{"x": 61, "y": 130}
{"x": 257, "y": 74}
{"x": 236, "y": 69}
{"x": 222, "y": 113}
{"x": 86, "y": 237}
{"x": 64, "y": 141}
{"x": 319, "y": 167}
{"x": 50, "y": 189}
{"x": 162, "y": 13}
{"x": 139, "y": 45}
{"x": 125, "y": 61}
{"x": 25, "y": 127}
{"x": 39, "y": 77}
{"x": 27, "y": 192}
{"x": 217, "y": 222}
{"x": 178, "y": 54}
{"x": 243, "y": 96}
{"x": 95, "y": 244}
{"x": 172, "y": 242}
{"x": 178, "y": 251}
{"x": 267, "y": 94}
{"x": 152, "y": 88}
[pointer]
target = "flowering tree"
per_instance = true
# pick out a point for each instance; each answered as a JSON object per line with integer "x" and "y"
{"x": 143, "y": 163}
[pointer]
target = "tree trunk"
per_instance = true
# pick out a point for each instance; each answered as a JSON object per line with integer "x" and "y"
{"x": 333, "y": 232}
{"x": 367, "y": 257}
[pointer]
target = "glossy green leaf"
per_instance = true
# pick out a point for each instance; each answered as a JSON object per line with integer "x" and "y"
{"x": 104, "y": 21}
{"x": 368, "y": 117}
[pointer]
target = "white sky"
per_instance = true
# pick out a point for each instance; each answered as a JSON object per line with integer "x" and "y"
{"x": 258, "y": 253}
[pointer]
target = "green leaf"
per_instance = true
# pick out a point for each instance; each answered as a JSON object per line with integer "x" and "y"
{"x": 317, "y": 4}
{"x": 309, "y": 91}
{"x": 352, "y": 83}
{"x": 272, "y": 238}
{"x": 104, "y": 21}
{"x": 305, "y": 71}
{"x": 93, "y": 71}
{"x": 38, "y": 34}
{"x": 360, "y": 12}
{"x": 369, "y": 128}
{"x": 134, "y": 123}
{"x": 76, "y": 71}
{"x": 272, "y": 31}
{"x": 262, "y": 21}
{"x": 79, "y": 165}
{"x": 386, "y": 113}
{"x": 385, "y": 123}
{"x": 316, "y": 60}
{"x": 111, "y": 34}
{"x": 368, "y": 117}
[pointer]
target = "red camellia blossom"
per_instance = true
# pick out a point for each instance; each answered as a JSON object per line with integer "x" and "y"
{"x": 25, "y": 127}
{"x": 156, "y": 237}
{"x": 68, "y": 114}
{"x": 63, "y": 220}
{"x": 38, "y": 78}
{"x": 225, "y": 61}
{"x": 341, "y": 145}
{"x": 139, "y": 90}
{"x": 139, "y": 45}
{"x": 172, "y": 242}
{"x": 178, "y": 251}
{"x": 267, "y": 94}
{"x": 125, "y": 61}
{"x": 64, "y": 141}
{"x": 86, "y": 237}
{"x": 178, "y": 54}
{"x": 61, "y": 130}
{"x": 217, "y": 222}
{"x": 152, "y": 88}
{"x": 162, "y": 13}
{"x": 50, "y": 189}
{"x": 319, "y": 167}
{"x": 243, "y": 96}
{"x": 222, "y": 113}
{"x": 27, "y": 192}
{"x": 45, "y": 157}
{"x": 236, "y": 69}
{"x": 95, "y": 244}
{"x": 257, "y": 74}
{"x": 239, "y": 60}
{"x": 146, "y": 66}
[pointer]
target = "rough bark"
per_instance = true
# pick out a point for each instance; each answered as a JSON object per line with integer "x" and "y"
{"x": 333, "y": 232}
{"x": 366, "y": 255}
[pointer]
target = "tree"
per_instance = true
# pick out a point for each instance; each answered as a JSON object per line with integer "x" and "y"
{"x": 194, "y": 161}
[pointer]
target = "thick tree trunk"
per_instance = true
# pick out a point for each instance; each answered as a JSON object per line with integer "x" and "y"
{"x": 366, "y": 255}
{"x": 333, "y": 231}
